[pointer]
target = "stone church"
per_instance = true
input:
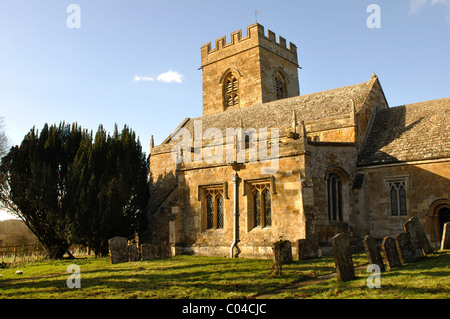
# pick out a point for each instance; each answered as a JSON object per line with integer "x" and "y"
{"x": 265, "y": 162}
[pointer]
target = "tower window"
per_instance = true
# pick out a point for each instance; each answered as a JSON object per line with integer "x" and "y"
{"x": 231, "y": 95}
{"x": 280, "y": 86}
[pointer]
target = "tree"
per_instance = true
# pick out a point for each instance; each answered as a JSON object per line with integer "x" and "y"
{"x": 109, "y": 181}
{"x": 34, "y": 182}
{"x": 69, "y": 188}
{"x": 4, "y": 141}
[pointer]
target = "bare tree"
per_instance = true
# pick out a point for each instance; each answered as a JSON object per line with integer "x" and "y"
{"x": 4, "y": 141}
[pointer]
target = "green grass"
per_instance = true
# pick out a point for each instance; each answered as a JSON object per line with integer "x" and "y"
{"x": 211, "y": 277}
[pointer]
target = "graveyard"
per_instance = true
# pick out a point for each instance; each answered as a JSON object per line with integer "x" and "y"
{"x": 225, "y": 278}
{"x": 423, "y": 276}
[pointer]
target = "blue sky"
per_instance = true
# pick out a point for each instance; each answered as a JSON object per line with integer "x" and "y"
{"x": 136, "y": 62}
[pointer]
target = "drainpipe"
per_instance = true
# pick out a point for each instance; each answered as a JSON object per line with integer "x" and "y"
{"x": 234, "y": 249}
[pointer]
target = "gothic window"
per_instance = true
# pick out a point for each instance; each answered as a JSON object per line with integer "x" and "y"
{"x": 280, "y": 86}
{"x": 231, "y": 96}
{"x": 262, "y": 204}
{"x": 214, "y": 208}
{"x": 334, "y": 189}
{"x": 397, "y": 192}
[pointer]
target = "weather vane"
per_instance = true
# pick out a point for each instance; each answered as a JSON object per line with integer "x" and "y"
{"x": 256, "y": 15}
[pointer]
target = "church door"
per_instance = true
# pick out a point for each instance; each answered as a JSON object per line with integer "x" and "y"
{"x": 444, "y": 217}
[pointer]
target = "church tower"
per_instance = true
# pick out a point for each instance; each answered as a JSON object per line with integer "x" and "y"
{"x": 248, "y": 70}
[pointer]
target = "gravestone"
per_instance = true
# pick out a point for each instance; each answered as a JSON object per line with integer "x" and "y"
{"x": 390, "y": 252}
{"x": 445, "y": 243}
{"x": 151, "y": 251}
{"x": 405, "y": 248}
{"x": 282, "y": 253}
{"x": 118, "y": 249}
{"x": 418, "y": 237}
{"x": 307, "y": 248}
{"x": 373, "y": 252}
{"x": 133, "y": 252}
{"x": 343, "y": 257}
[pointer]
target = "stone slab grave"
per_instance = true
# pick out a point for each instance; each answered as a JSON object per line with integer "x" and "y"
{"x": 133, "y": 252}
{"x": 405, "y": 248}
{"x": 390, "y": 252}
{"x": 151, "y": 251}
{"x": 307, "y": 248}
{"x": 343, "y": 257}
{"x": 419, "y": 239}
{"x": 282, "y": 254}
{"x": 373, "y": 252}
{"x": 118, "y": 249}
{"x": 445, "y": 243}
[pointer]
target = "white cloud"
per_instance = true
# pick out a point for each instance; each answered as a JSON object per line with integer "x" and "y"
{"x": 138, "y": 78}
{"x": 170, "y": 77}
{"x": 416, "y": 6}
{"x": 166, "y": 77}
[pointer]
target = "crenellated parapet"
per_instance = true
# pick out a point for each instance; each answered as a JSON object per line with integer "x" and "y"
{"x": 255, "y": 37}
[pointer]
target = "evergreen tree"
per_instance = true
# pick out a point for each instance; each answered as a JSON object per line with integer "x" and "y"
{"x": 34, "y": 183}
{"x": 70, "y": 188}
{"x": 110, "y": 182}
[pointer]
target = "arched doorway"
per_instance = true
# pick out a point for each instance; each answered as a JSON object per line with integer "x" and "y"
{"x": 444, "y": 217}
{"x": 440, "y": 212}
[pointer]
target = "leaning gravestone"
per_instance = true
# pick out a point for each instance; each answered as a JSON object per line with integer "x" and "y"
{"x": 445, "y": 243}
{"x": 418, "y": 237}
{"x": 343, "y": 257}
{"x": 133, "y": 252}
{"x": 373, "y": 252}
{"x": 307, "y": 248}
{"x": 405, "y": 248}
{"x": 390, "y": 252}
{"x": 118, "y": 250}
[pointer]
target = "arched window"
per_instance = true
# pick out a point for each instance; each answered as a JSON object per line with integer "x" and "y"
{"x": 262, "y": 205}
{"x": 397, "y": 191}
{"x": 334, "y": 189}
{"x": 280, "y": 86}
{"x": 214, "y": 208}
{"x": 231, "y": 90}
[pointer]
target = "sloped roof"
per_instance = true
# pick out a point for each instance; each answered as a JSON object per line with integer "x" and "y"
{"x": 419, "y": 131}
{"x": 310, "y": 107}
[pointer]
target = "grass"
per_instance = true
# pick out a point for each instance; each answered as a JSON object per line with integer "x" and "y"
{"x": 221, "y": 278}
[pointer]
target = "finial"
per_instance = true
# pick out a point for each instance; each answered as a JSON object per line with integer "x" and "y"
{"x": 294, "y": 122}
{"x": 304, "y": 130}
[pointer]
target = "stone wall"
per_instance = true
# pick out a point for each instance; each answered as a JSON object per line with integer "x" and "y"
{"x": 323, "y": 159}
{"x": 287, "y": 212}
{"x": 426, "y": 183}
{"x": 253, "y": 59}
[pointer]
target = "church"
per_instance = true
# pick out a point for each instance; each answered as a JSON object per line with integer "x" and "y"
{"x": 265, "y": 162}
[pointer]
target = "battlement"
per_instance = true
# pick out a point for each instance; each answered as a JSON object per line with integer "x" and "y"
{"x": 255, "y": 37}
